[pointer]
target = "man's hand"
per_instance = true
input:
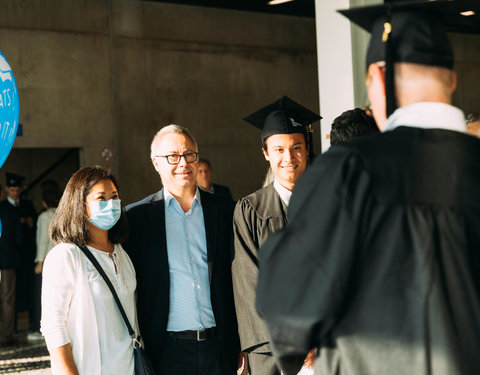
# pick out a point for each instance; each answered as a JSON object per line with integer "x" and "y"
{"x": 242, "y": 364}
{"x": 38, "y": 268}
{"x": 310, "y": 359}
{"x": 30, "y": 222}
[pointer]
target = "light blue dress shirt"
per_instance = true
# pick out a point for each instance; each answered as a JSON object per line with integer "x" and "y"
{"x": 190, "y": 304}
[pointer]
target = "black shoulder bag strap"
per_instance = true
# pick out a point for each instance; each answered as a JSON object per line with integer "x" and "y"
{"x": 100, "y": 270}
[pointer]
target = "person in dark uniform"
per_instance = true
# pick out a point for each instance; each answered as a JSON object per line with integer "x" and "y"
{"x": 204, "y": 181}
{"x": 10, "y": 240}
{"x": 27, "y": 248}
{"x": 379, "y": 266}
{"x": 284, "y": 144}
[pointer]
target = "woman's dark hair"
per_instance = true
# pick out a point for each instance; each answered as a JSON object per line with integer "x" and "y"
{"x": 69, "y": 223}
{"x": 50, "y": 197}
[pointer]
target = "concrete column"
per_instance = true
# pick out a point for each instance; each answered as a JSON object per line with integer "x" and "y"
{"x": 341, "y": 61}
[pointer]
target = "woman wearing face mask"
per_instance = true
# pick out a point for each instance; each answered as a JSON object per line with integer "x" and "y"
{"x": 82, "y": 325}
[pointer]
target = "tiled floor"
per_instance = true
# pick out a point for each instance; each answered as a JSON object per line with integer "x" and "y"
{"x": 25, "y": 358}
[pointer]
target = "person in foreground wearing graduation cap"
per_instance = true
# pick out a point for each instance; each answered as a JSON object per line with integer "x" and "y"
{"x": 284, "y": 144}
{"x": 379, "y": 267}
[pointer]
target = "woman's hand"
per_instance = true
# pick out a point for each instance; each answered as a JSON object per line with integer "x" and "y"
{"x": 62, "y": 357}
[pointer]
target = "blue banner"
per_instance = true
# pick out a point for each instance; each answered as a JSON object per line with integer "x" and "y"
{"x": 9, "y": 109}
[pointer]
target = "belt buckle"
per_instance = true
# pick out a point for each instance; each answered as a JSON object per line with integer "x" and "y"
{"x": 198, "y": 336}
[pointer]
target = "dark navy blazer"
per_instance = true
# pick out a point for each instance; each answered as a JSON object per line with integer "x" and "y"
{"x": 147, "y": 247}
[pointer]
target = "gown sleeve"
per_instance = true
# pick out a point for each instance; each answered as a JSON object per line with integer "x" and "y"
{"x": 245, "y": 273}
{"x": 305, "y": 269}
{"x": 58, "y": 287}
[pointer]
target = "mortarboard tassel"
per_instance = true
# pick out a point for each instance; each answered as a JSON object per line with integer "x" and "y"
{"x": 389, "y": 61}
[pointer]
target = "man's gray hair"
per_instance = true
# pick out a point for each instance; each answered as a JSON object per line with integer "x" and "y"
{"x": 171, "y": 129}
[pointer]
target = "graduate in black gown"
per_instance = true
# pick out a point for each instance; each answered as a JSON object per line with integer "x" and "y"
{"x": 379, "y": 266}
{"x": 285, "y": 146}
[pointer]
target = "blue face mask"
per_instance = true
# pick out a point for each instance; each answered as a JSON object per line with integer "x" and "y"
{"x": 104, "y": 214}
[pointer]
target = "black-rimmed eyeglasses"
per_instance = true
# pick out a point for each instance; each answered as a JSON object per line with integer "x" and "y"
{"x": 189, "y": 157}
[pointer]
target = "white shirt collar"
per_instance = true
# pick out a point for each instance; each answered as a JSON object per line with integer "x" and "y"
{"x": 168, "y": 196}
{"x": 428, "y": 115}
{"x": 283, "y": 192}
{"x": 212, "y": 189}
{"x": 13, "y": 202}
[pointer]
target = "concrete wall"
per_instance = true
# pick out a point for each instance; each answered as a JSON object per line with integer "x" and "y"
{"x": 467, "y": 66}
{"x": 109, "y": 73}
{"x": 205, "y": 68}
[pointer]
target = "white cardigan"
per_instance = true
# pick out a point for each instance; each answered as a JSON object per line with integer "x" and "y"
{"x": 68, "y": 310}
{"x": 43, "y": 242}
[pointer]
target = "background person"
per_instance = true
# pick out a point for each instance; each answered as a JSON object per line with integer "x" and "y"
{"x": 352, "y": 124}
{"x": 26, "y": 246}
{"x": 204, "y": 181}
{"x": 10, "y": 240}
{"x": 473, "y": 124}
{"x": 83, "y": 328}
{"x": 50, "y": 200}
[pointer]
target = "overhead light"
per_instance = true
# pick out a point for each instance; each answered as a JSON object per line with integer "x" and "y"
{"x": 276, "y": 2}
{"x": 468, "y": 13}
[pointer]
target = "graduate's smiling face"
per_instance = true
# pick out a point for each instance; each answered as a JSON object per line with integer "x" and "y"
{"x": 175, "y": 176}
{"x": 287, "y": 155}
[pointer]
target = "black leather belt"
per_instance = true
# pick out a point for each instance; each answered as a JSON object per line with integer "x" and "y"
{"x": 203, "y": 335}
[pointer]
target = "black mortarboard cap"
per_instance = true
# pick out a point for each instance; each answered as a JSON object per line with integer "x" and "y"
{"x": 414, "y": 32}
{"x": 283, "y": 116}
{"x": 14, "y": 179}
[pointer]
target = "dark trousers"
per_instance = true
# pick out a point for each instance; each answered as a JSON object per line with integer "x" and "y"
{"x": 262, "y": 364}
{"x": 7, "y": 303}
{"x": 189, "y": 357}
{"x": 37, "y": 302}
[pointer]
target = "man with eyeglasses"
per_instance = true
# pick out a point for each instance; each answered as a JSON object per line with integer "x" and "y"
{"x": 180, "y": 244}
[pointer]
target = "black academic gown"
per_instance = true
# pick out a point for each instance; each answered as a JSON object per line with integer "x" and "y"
{"x": 256, "y": 217}
{"x": 380, "y": 264}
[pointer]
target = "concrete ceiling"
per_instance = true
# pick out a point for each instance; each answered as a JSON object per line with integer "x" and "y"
{"x": 302, "y": 8}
